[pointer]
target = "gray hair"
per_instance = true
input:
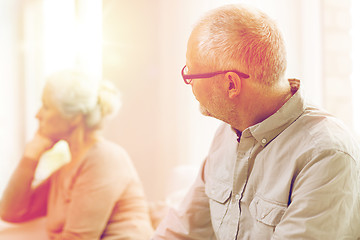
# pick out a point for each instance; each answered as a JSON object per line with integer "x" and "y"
{"x": 76, "y": 93}
{"x": 235, "y": 37}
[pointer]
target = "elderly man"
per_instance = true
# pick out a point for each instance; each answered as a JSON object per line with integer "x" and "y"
{"x": 278, "y": 168}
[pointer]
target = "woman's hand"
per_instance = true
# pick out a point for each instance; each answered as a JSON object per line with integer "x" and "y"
{"x": 37, "y": 146}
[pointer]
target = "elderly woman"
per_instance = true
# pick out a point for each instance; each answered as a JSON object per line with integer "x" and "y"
{"x": 98, "y": 194}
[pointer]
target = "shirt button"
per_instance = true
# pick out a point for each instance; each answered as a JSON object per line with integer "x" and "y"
{"x": 237, "y": 196}
{"x": 263, "y": 140}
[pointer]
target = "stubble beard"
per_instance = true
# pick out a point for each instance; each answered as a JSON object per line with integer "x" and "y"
{"x": 204, "y": 111}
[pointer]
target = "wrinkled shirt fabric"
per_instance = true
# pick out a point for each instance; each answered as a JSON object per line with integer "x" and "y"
{"x": 295, "y": 175}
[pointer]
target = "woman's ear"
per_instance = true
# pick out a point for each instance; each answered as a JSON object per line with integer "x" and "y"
{"x": 234, "y": 84}
{"x": 76, "y": 120}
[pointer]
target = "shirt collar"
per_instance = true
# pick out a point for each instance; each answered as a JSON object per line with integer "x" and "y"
{"x": 265, "y": 131}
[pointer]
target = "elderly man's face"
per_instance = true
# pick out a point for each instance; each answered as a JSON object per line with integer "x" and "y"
{"x": 205, "y": 90}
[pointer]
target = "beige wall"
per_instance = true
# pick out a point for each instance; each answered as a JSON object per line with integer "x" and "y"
{"x": 337, "y": 59}
{"x": 11, "y": 101}
{"x": 131, "y": 60}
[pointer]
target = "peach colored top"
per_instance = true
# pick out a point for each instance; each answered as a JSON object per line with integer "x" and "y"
{"x": 100, "y": 198}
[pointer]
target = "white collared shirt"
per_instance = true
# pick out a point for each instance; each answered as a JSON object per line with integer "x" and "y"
{"x": 293, "y": 176}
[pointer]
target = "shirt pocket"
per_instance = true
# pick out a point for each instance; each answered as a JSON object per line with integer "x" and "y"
{"x": 267, "y": 212}
{"x": 219, "y": 194}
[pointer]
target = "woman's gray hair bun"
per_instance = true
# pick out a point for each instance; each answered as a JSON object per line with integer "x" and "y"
{"x": 108, "y": 104}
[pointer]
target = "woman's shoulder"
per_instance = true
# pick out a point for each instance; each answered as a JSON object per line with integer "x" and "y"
{"x": 108, "y": 148}
{"x": 108, "y": 154}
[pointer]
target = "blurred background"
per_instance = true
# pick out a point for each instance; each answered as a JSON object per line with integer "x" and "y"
{"x": 140, "y": 45}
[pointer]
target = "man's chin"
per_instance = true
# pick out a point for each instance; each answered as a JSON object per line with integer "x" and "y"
{"x": 204, "y": 111}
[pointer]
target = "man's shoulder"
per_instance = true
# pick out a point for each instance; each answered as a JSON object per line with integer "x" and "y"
{"x": 321, "y": 130}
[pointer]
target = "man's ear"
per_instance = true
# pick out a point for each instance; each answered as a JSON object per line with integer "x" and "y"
{"x": 234, "y": 84}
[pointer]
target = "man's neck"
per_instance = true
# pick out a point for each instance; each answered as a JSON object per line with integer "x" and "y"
{"x": 262, "y": 107}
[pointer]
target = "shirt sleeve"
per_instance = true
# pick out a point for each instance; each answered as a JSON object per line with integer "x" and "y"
{"x": 192, "y": 219}
{"x": 324, "y": 202}
{"x": 97, "y": 188}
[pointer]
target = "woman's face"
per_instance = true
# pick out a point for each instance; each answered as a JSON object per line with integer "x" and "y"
{"x": 52, "y": 123}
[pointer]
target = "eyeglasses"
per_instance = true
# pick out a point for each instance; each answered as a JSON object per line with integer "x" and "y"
{"x": 189, "y": 77}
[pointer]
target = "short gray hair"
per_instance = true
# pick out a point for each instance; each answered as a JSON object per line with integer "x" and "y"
{"x": 75, "y": 92}
{"x": 235, "y": 36}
